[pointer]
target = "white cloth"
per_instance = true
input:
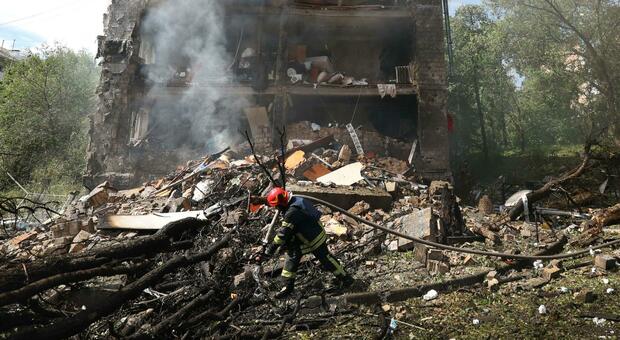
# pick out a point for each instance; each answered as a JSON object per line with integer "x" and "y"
{"x": 387, "y": 89}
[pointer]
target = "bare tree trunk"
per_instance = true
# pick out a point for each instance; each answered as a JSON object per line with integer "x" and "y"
{"x": 502, "y": 122}
{"x": 519, "y": 126}
{"x": 483, "y": 132}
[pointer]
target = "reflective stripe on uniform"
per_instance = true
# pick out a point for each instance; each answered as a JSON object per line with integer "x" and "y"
{"x": 278, "y": 240}
{"x": 317, "y": 242}
{"x": 287, "y": 274}
{"x": 286, "y": 224}
{"x": 339, "y": 270}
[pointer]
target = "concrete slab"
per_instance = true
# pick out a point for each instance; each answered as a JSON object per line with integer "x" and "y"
{"x": 420, "y": 224}
{"x": 347, "y": 175}
{"x": 346, "y": 197}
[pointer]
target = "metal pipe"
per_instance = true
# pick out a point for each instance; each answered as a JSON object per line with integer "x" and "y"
{"x": 461, "y": 250}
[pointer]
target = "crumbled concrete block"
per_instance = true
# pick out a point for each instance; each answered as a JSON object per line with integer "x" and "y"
{"x": 421, "y": 253}
{"x": 509, "y": 237}
{"x": 526, "y": 231}
{"x": 63, "y": 241}
{"x": 335, "y": 228}
{"x": 391, "y": 187}
{"x": 60, "y": 230}
{"x": 243, "y": 278}
{"x": 551, "y": 273}
{"x": 437, "y": 267}
{"x": 493, "y": 284}
{"x": 604, "y": 262}
{"x": 393, "y": 246}
{"x": 74, "y": 227}
{"x": 98, "y": 197}
{"x": 437, "y": 255}
{"x": 360, "y": 208}
{"x": 79, "y": 242}
{"x": 346, "y": 197}
{"x": 420, "y": 224}
{"x": 491, "y": 275}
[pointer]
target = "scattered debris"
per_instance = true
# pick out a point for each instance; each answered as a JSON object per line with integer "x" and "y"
{"x": 179, "y": 249}
{"x": 345, "y": 176}
{"x": 430, "y": 295}
{"x": 542, "y": 309}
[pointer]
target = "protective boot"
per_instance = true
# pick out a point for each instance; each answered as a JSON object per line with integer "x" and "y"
{"x": 289, "y": 287}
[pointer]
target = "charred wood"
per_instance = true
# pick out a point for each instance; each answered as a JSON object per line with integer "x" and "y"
{"x": 15, "y": 276}
{"x": 65, "y": 327}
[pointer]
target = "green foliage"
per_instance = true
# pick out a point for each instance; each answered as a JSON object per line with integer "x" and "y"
{"x": 567, "y": 51}
{"x": 481, "y": 87}
{"x": 44, "y": 103}
{"x": 546, "y": 73}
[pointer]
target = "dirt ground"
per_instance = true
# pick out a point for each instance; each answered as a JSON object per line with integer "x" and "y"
{"x": 509, "y": 313}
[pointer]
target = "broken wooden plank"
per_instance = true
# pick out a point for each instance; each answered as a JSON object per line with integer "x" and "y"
{"x": 147, "y": 222}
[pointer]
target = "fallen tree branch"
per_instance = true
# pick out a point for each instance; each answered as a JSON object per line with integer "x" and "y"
{"x": 65, "y": 327}
{"x": 15, "y": 276}
{"x": 176, "y": 318}
{"x": 211, "y": 315}
{"x": 36, "y": 287}
{"x": 594, "y": 226}
{"x": 545, "y": 190}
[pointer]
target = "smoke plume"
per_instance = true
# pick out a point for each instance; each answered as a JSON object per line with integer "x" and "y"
{"x": 187, "y": 42}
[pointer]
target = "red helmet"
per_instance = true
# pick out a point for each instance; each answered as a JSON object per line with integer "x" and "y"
{"x": 278, "y": 197}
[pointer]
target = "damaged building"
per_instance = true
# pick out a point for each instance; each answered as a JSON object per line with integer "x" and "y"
{"x": 181, "y": 79}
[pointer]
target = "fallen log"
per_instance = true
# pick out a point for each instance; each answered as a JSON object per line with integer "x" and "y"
{"x": 545, "y": 190}
{"x": 605, "y": 217}
{"x": 15, "y": 276}
{"x": 593, "y": 227}
{"x": 36, "y": 287}
{"x": 66, "y": 327}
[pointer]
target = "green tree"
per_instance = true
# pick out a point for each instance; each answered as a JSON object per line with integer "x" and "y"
{"x": 481, "y": 86}
{"x": 44, "y": 103}
{"x": 569, "y": 53}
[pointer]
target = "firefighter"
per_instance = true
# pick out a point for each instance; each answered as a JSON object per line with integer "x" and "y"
{"x": 301, "y": 233}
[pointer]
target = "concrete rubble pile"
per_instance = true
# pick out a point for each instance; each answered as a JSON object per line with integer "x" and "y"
{"x": 173, "y": 257}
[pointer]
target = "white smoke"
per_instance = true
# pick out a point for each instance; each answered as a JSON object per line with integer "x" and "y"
{"x": 192, "y": 33}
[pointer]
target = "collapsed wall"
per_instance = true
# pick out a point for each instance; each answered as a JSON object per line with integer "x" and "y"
{"x": 145, "y": 124}
{"x": 108, "y": 156}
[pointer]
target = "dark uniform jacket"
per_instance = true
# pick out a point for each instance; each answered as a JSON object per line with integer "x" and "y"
{"x": 301, "y": 227}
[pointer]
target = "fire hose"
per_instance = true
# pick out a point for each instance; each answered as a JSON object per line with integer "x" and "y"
{"x": 457, "y": 249}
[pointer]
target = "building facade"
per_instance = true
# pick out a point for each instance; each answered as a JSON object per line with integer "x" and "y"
{"x": 181, "y": 79}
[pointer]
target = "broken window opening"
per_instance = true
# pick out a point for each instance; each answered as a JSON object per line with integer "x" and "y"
{"x": 352, "y": 51}
{"x": 247, "y": 54}
{"x": 385, "y": 126}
